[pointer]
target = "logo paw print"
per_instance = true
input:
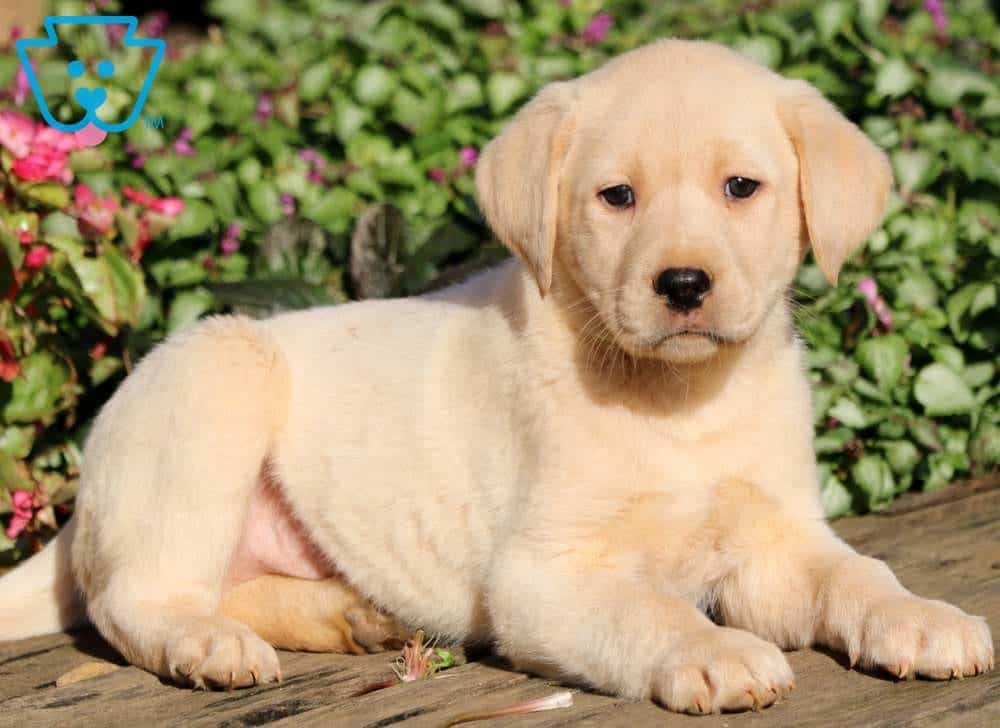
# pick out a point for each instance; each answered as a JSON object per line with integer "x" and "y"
{"x": 91, "y": 99}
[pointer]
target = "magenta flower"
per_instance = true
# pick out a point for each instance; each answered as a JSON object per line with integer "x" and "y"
{"x": 436, "y": 174}
{"x": 115, "y": 33}
{"x": 171, "y": 206}
{"x": 287, "y": 204}
{"x": 468, "y": 157}
{"x": 37, "y": 257}
{"x": 182, "y": 145}
{"x": 21, "y": 85}
{"x": 17, "y": 132}
{"x": 95, "y": 215}
{"x": 597, "y": 29}
{"x": 231, "y": 240}
{"x": 311, "y": 156}
{"x": 869, "y": 289}
{"x": 55, "y": 139}
{"x": 23, "y": 509}
{"x": 156, "y": 23}
{"x": 936, "y": 9}
{"x": 43, "y": 163}
{"x": 139, "y": 161}
{"x": 265, "y": 107}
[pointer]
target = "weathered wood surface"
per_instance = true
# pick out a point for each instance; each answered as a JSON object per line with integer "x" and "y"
{"x": 945, "y": 546}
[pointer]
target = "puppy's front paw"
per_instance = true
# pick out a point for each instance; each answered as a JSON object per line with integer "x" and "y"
{"x": 910, "y": 636}
{"x": 217, "y": 652}
{"x": 722, "y": 669}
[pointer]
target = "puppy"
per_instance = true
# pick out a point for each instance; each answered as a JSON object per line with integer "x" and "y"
{"x": 576, "y": 455}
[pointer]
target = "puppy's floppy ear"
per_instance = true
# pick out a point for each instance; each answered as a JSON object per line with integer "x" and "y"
{"x": 844, "y": 179}
{"x": 517, "y": 179}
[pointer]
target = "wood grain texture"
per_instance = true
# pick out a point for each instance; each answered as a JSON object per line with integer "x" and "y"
{"x": 945, "y": 545}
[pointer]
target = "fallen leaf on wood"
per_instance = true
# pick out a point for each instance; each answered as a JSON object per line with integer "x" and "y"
{"x": 86, "y": 671}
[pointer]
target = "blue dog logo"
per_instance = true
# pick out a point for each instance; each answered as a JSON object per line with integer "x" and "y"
{"x": 90, "y": 98}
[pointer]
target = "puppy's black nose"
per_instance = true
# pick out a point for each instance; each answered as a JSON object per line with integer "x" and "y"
{"x": 684, "y": 288}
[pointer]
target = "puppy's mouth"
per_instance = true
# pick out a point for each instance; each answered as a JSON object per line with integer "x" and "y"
{"x": 692, "y": 335}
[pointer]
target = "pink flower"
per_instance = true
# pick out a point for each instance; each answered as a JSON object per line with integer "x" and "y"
{"x": 139, "y": 161}
{"x": 468, "y": 157}
{"x": 37, "y": 257}
{"x": 869, "y": 289}
{"x": 115, "y": 33}
{"x": 172, "y": 206}
{"x": 265, "y": 107}
{"x": 436, "y": 174}
{"x": 311, "y": 156}
{"x": 182, "y": 145}
{"x": 16, "y": 132}
{"x": 156, "y": 23}
{"x": 55, "y": 139}
{"x": 96, "y": 215}
{"x": 230, "y": 241}
{"x": 137, "y": 196}
{"x": 21, "y": 85}
{"x": 22, "y": 504}
{"x": 43, "y": 163}
{"x": 936, "y": 9}
{"x": 287, "y": 204}
{"x": 597, "y": 29}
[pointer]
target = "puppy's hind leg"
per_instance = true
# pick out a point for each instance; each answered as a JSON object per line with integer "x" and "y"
{"x": 169, "y": 470}
{"x": 322, "y": 615}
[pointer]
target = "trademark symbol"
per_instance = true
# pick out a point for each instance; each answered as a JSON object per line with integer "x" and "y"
{"x": 152, "y": 122}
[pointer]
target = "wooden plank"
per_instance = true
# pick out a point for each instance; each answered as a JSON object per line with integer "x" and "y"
{"x": 943, "y": 546}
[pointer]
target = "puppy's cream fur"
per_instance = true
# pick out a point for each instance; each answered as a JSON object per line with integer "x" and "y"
{"x": 546, "y": 456}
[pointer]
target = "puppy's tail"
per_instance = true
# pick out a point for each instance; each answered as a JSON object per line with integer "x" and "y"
{"x": 40, "y": 596}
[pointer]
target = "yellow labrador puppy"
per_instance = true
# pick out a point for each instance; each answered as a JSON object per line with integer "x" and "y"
{"x": 576, "y": 455}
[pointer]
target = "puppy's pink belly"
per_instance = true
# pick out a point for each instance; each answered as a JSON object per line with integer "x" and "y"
{"x": 274, "y": 542}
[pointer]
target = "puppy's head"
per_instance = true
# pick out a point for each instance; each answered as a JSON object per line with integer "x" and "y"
{"x": 676, "y": 188}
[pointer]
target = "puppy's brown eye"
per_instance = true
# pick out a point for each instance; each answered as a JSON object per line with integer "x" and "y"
{"x": 741, "y": 187}
{"x": 618, "y": 196}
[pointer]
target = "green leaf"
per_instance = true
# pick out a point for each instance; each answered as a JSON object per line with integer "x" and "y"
{"x": 883, "y": 358}
{"x": 902, "y": 455}
{"x": 979, "y": 374}
{"x": 265, "y": 202}
{"x": 831, "y": 17}
{"x": 984, "y": 448}
{"x": 763, "y": 49}
{"x": 465, "y": 92}
{"x": 188, "y": 307}
{"x": 947, "y": 86}
{"x": 49, "y": 194}
{"x": 503, "y": 90}
{"x": 315, "y": 81}
{"x": 915, "y": 168}
{"x": 17, "y": 441}
{"x": 36, "y": 393}
{"x": 374, "y": 85}
{"x": 874, "y": 477}
{"x": 196, "y": 219}
{"x": 942, "y": 392}
{"x": 848, "y": 412}
{"x": 894, "y": 78}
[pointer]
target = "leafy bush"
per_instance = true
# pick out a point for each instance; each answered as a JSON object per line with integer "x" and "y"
{"x": 292, "y": 124}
